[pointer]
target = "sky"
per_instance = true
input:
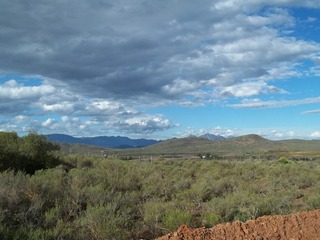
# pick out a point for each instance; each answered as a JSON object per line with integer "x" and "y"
{"x": 161, "y": 69}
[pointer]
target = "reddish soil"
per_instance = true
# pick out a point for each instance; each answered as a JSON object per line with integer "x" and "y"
{"x": 303, "y": 225}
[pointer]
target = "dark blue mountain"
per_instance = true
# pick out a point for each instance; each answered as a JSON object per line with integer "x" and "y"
{"x": 103, "y": 141}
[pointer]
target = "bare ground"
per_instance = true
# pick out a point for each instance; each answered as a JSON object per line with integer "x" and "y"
{"x": 303, "y": 225}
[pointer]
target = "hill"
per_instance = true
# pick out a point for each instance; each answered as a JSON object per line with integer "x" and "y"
{"x": 237, "y": 145}
{"x": 229, "y": 147}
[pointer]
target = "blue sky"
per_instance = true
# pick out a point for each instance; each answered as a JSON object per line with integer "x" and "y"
{"x": 161, "y": 69}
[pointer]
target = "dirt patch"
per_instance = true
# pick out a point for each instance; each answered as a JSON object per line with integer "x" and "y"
{"x": 303, "y": 225}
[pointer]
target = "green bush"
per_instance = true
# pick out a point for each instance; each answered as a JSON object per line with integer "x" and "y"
{"x": 102, "y": 222}
{"x": 209, "y": 218}
{"x": 173, "y": 218}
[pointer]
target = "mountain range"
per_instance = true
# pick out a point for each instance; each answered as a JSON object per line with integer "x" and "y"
{"x": 116, "y": 141}
{"x": 103, "y": 141}
{"x": 221, "y": 146}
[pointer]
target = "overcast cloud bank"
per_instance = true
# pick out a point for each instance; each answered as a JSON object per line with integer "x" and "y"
{"x": 100, "y": 65}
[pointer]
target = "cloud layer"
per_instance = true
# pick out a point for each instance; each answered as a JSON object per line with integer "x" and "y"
{"x": 76, "y": 112}
{"x": 103, "y": 63}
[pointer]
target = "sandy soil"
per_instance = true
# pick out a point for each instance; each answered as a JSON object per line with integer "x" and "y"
{"x": 303, "y": 225}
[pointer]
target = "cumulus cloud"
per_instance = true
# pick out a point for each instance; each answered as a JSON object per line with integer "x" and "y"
{"x": 49, "y": 123}
{"x": 278, "y": 134}
{"x": 223, "y": 131}
{"x": 13, "y": 90}
{"x": 147, "y": 124}
{"x": 17, "y": 98}
{"x": 249, "y": 89}
{"x": 78, "y": 113}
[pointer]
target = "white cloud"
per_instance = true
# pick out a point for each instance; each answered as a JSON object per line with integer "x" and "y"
{"x": 190, "y": 131}
{"x": 16, "y": 98}
{"x": 64, "y": 118}
{"x": 20, "y": 118}
{"x": 49, "y": 122}
{"x": 61, "y": 107}
{"x": 248, "y": 89}
{"x": 252, "y": 5}
{"x": 223, "y": 131}
{"x": 316, "y": 111}
{"x": 179, "y": 87}
{"x": 278, "y": 134}
{"x": 282, "y": 71}
{"x": 146, "y": 124}
{"x": 257, "y": 103}
{"x": 311, "y": 19}
{"x": 79, "y": 114}
{"x": 315, "y": 134}
{"x": 316, "y": 70}
{"x": 12, "y": 90}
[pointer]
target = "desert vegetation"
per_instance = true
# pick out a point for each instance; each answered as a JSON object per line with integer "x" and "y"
{"x": 93, "y": 197}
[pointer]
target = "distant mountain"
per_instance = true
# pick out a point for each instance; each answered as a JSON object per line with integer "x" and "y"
{"x": 212, "y": 137}
{"x": 62, "y": 138}
{"x": 103, "y": 141}
{"x": 251, "y": 143}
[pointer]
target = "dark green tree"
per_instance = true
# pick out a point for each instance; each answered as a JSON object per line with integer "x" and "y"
{"x": 28, "y": 154}
{"x": 9, "y": 147}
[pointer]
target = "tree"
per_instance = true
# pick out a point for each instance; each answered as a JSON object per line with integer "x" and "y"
{"x": 9, "y": 147}
{"x": 28, "y": 154}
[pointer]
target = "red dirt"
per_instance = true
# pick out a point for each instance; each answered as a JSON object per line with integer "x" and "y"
{"x": 303, "y": 225}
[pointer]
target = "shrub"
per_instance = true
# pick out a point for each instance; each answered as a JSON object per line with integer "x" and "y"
{"x": 113, "y": 199}
{"x": 173, "y": 218}
{"x": 209, "y": 219}
{"x": 283, "y": 160}
{"x": 102, "y": 222}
